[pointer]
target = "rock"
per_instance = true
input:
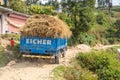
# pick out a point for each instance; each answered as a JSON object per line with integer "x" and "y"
{"x": 11, "y": 63}
{"x": 83, "y": 48}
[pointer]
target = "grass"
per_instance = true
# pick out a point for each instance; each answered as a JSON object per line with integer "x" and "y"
{"x": 3, "y": 59}
{"x": 16, "y": 37}
{"x": 116, "y": 8}
{"x": 104, "y": 63}
{"x": 59, "y": 73}
{"x": 108, "y": 60}
{"x": 74, "y": 72}
{"x": 4, "y": 56}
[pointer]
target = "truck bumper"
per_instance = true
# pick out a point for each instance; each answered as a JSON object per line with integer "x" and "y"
{"x": 37, "y": 56}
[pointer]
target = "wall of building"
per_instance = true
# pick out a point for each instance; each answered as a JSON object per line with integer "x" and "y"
{"x": 18, "y": 21}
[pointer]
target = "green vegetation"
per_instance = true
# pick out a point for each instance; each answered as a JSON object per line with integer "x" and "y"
{"x": 95, "y": 65}
{"x": 18, "y": 5}
{"x": 4, "y": 59}
{"x": 116, "y": 8}
{"x": 87, "y": 23}
{"x": 16, "y": 37}
{"x": 104, "y": 63}
{"x": 73, "y": 73}
{"x": 38, "y": 9}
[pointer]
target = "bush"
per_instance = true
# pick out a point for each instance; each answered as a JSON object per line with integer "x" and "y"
{"x": 104, "y": 63}
{"x": 117, "y": 25}
{"x": 73, "y": 73}
{"x": 86, "y": 38}
{"x": 16, "y": 50}
{"x": 104, "y": 41}
{"x": 109, "y": 74}
{"x": 18, "y": 5}
{"x": 4, "y": 59}
{"x": 38, "y": 9}
{"x": 73, "y": 41}
{"x": 102, "y": 19}
{"x": 116, "y": 8}
{"x": 1, "y": 49}
{"x": 67, "y": 18}
{"x": 16, "y": 37}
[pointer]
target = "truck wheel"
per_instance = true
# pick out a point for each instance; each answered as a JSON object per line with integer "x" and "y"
{"x": 63, "y": 54}
{"x": 19, "y": 56}
{"x": 57, "y": 59}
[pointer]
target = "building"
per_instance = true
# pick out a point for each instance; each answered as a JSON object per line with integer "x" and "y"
{"x": 11, "y": 21}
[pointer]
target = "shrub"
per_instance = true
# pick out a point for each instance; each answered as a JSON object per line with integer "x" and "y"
{"x": 117, "y": 25}
{"x": 104, "y": 63}
{"x": 18, "y": 5}
{"x": 73, "y": 73}
{"x": 16, "y": 50}
{"x": 1, "y": 48}
{"x": 87, "y": 38}
{"x": 38, "y": 9}
{"x": 4, "y": 59}
{"x": 116, "y": 8}
{"x": 67, "y": 18}
{"x": 16, "y": 37}
{"x": 104, "y": 41}
{"x": 109, "y": 74}
{"x": 101, "y": 19}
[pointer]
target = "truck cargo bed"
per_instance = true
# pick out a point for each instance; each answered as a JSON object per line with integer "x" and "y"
{"x": 38, "y": 45}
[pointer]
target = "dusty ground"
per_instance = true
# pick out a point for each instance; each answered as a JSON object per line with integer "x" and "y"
{"x": 39, "y": 69}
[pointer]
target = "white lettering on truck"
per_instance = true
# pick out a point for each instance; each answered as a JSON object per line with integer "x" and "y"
{"x": 27, "y": 41}
{"x": 38, "y": 41}
{"x": 34, "y": 41}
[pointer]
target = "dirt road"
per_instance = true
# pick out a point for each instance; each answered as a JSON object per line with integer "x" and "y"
{"x": 37, "y": 70}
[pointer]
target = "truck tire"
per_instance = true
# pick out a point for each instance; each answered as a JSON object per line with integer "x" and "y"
{"x": 19, "y": 56}
{"x": 57, "y": 59}
{"x": 63, "y": 54}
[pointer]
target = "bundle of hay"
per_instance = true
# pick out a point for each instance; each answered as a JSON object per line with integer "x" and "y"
{"x": 45, "y": 26}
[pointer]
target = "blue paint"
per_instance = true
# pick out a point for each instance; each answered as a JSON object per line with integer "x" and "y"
{"x": 38, "y": 45}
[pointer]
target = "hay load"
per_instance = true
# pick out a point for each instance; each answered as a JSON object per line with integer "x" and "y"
{"x": 45, "y": 26}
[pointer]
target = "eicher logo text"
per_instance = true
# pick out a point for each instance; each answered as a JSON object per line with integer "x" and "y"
{"x": 38, "y": 41}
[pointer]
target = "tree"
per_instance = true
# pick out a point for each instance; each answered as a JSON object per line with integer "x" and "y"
{"x": 81, "y": 12}
{"x": 5, "y": 2}
{"x": 117, "y": 25}
{"x": 39, "y": 9}
{"x": 53, "y": 3}
{"x": 18, "y": 5}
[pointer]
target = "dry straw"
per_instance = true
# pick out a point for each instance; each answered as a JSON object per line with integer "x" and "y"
{"x": 45, "y": 26}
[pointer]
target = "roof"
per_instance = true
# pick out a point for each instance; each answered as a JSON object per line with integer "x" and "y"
{"x": 7, "y": 10}
{"x": 3, "y": 9}
{"x": 21, "y": 14}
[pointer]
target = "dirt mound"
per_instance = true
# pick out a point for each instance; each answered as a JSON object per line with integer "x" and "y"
{"x": 83, "y": 48}
{"x": 45, "y": 26}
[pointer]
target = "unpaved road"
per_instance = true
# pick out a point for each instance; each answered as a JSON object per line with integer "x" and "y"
{"x": 36, "y": 70}
{"x": 39, "y": 69}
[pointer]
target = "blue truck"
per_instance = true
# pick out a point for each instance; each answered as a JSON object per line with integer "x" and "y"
{"x": 43, "y": 47}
